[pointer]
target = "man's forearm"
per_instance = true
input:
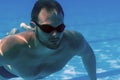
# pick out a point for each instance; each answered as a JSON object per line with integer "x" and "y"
{"x": 1, "y": 78}
{"x": 90, "y": 65}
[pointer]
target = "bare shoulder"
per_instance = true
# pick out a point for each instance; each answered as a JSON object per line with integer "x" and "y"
{"x": 8, "y": 48}
{"x": 11, "y": 45}
{"x": 80, "y": 44}
{"x": 74, "y": 35}
{"x": 27, "y": 35}
{"x": 75, "y": 38}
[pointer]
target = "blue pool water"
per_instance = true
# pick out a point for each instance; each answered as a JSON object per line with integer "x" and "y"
{"x": 97, "y": 20}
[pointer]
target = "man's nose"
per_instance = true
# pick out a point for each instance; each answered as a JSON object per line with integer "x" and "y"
{"x": 54, "y": 34}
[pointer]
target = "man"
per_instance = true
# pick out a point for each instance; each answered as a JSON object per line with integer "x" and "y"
{"x": 36, "y": 54}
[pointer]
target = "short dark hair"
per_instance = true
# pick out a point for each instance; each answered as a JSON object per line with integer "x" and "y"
{"x": 50, "y": 5}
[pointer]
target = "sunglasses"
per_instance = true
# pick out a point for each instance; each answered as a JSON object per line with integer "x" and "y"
{"x": 48, "y": 28}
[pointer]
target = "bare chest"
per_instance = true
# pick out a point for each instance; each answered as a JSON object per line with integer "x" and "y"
{"x": 35, "y": 62}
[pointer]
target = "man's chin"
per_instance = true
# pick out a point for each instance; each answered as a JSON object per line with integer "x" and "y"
{"x": 54, "y": 45}
{"x": 51, "y": 47}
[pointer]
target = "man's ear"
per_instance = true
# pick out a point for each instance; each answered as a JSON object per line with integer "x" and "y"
{"x": 32, "y": 24}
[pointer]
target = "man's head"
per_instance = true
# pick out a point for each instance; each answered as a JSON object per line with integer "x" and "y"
{"x": 50, "y": 5}
{"x": 48, "y": 16}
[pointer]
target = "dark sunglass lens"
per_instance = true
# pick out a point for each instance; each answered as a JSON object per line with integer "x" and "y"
{"x": 60, "y": 28}
{"x": 47, "y": 28}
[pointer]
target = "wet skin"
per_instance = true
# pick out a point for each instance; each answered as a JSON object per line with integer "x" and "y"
{"x": 32, "y": 56}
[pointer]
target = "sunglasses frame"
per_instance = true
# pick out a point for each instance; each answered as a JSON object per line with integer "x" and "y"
{"x": 48, "y": 28}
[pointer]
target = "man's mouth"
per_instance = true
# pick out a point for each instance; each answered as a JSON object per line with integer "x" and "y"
{"x": 54, "y": 40}
{"x": 54, "y": 43}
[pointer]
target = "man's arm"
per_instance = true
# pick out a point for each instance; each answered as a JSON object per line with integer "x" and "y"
{"x": 8, "y": 49}
{"x": 2, "y": 78}
{"x": 88, "y": 57}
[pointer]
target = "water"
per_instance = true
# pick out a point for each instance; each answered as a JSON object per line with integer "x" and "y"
{"x": 98, "y": 21}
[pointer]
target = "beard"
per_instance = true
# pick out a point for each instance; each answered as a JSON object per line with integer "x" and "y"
{"x": 51, "y": 43}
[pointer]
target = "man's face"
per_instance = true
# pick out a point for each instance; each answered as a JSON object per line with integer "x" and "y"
{"x": 52, "y": 31}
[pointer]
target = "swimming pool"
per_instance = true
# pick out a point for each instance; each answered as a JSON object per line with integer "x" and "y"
{"x": 98, "y": 21}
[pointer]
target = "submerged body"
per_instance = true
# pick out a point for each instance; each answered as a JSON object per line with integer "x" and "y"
{"x": 46, "y": 47}
{"x": 33, "y": 60}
